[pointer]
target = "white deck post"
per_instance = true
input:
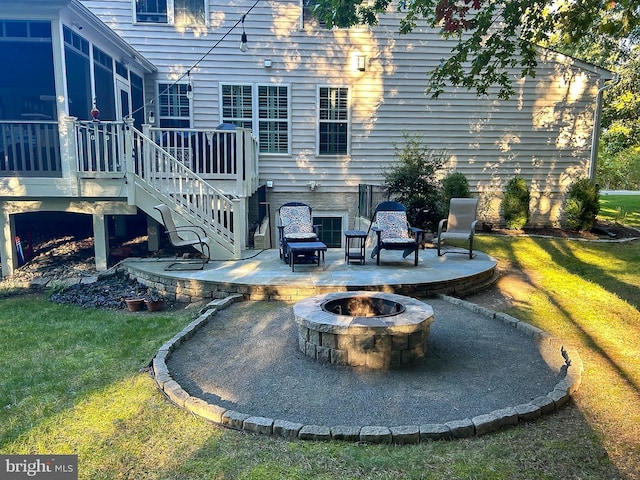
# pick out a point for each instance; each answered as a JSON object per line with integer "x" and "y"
{"x": 129, "y": 161}
{"x": 8, "y": 252}
{"x": 240, "y": 230}
{"x": 100, "y": 240}
{"x": 68, "y": 152}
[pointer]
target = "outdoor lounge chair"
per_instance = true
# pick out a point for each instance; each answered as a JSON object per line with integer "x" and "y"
{"x": 186, "y": 236}
{"x": 295, "y": 224}
{"x": 459, "y": 225}
{"x": 393, "y": 231}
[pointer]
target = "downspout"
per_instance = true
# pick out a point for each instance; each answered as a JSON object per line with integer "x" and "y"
{"x": 597, "y": 118}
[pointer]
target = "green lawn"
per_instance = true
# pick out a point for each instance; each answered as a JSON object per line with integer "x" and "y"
{"x": 73, "y": 381}
{"x": 623, "y": 209}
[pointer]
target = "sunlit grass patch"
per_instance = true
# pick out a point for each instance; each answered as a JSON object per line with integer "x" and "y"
{"x": 55, "y": 354}
{"x": 624, "y": 209}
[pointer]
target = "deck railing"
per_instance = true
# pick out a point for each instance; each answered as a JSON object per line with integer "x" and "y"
{"x": 30, "y": 149}
{"x": 100, "y": 147}
{"x": 223, "y": 155}
{"x": 176, "y": 166}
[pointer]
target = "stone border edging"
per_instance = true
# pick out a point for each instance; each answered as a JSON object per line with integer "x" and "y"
{"x": 404, "y": 434}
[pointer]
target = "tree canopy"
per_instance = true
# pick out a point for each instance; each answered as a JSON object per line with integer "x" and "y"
{"x": 491, "y": 37}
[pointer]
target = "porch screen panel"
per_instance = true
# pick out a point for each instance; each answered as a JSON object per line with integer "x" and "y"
{"x": 237, "y": 105}
{"x": 137, "y": 100}
{"x": 78, "y": 70}
{"x": 151, "y": 11}
{"x": 105, "y": 81}
{"x": 174, "y": 106}
{"x": 333, "y": 121}
{"x": 27, "y": 89}
{"x": 273, "y": 114}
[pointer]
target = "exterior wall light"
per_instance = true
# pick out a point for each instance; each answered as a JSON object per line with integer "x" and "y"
{"x": 362, "y": 63}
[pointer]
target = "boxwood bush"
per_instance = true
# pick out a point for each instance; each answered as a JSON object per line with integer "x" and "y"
{"x": 515, "y": 203}
{"x": 582, "y": 205}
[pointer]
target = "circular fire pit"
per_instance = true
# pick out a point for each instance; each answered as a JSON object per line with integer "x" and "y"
{"x": 370, "y": 329}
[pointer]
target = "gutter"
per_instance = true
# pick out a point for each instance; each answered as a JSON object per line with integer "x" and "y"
{"x": 597, "y": 119}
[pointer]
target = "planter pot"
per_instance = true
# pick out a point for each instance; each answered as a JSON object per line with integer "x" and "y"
{"x": 154, "y": 305}
{"x": 134, "y": 304}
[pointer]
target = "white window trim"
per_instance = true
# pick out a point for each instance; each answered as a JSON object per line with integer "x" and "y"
{"x": 254, "y": 110}
{"x": 339, "y": 155}
{"x": 171, "y": 16}
{"x": 156, "y": 103}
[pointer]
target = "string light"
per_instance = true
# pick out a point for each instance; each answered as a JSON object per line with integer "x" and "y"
{"x": 189, "y": 86}
{"x": 243, "y": 38}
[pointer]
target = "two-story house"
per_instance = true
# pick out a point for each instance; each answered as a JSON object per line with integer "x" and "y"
{"x": 108, "y": 107}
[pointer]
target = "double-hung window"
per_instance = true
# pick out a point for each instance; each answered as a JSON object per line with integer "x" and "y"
{"x": 308, "y": 18}
{"x": 189, "y": 12}
{"x": 177, "y": 12}
{"x": 262, "y": 108}
{"x": 237, "y": 105}
{"x": 174, "y": 106}
{"x": 151, "y": 11}
{"x": 273, "y": 118}
{"x": 333, "y": 121}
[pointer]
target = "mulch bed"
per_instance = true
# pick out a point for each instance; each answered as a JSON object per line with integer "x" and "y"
{"x": 601, "y": 231}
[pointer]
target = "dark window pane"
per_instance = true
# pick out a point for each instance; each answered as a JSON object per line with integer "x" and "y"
{"x": 151, "y": 11}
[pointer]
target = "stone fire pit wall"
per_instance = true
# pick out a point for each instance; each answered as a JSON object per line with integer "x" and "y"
{"x": 378, "y": 342}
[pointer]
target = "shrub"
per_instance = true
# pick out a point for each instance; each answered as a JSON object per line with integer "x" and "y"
{"x": 455, "y": 185}
{"x": 515, "y": 203}
{"x": 413, "y": 182}
{"x": 582, "y": 205}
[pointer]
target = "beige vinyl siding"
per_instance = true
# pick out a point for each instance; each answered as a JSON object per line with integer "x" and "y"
{"x": 543, "y": 133}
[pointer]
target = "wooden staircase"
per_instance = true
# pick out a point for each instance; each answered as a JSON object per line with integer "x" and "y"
{"x": 155, "y": 176}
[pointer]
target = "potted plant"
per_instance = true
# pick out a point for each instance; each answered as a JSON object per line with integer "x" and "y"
{"x": 134, "y": 304}
{"x": 154, "y": 300}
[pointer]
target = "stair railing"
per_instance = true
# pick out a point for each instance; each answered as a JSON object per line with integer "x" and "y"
{"x": 162, "y": 175}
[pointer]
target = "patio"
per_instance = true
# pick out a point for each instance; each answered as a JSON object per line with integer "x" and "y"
{"x": 263, "y": 275}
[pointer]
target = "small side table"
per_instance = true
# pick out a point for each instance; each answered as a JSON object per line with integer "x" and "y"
{"x": 356, "y": 253}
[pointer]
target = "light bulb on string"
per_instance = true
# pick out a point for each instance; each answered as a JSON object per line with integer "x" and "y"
{"x": 189, "y": 86}
{"x": 243, "y": 39}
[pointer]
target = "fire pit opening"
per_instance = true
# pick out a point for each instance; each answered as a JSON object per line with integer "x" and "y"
{"x": 376, "y": 330}
{"x": 363, "y": 306}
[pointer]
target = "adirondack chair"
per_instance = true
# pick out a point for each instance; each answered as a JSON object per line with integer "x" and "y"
{"x": 459, "y": 225}
{"x": 393, "y": 231}
{"x": 185, "y": 236}
{"x": 295, "y": 225}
